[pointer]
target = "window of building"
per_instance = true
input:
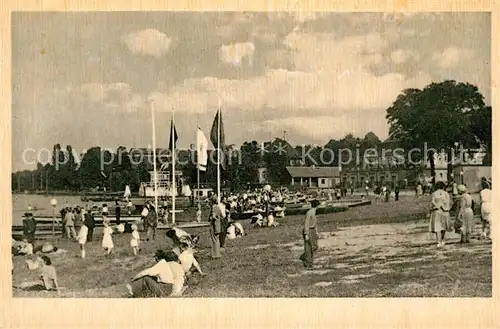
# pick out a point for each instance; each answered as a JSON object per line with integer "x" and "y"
{"x": 323, "y": 181}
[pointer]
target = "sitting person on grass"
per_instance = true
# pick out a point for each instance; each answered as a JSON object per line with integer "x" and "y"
{"x": 164, "y": 279}
{"x": 48, "y": 276}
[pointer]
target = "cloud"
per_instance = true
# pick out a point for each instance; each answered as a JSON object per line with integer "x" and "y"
{"x": 324, "y": 128}
{"x": 452, "y": 57}
{"x": 234, "y": 53}
{"x": 330, "y": 74}
{"x": 401, "y": 56}
{"x": 116, "y": 96}
{"x": 148, "y": 42}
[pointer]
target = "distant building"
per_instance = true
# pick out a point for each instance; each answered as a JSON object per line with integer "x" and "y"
{"x": 314, "y": 177}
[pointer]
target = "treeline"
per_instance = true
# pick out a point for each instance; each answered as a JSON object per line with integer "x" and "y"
{"x": 442, "y": 116}
{"x": 101, "y": 168}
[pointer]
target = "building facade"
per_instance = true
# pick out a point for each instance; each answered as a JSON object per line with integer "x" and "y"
{"x": 314, "y": 177}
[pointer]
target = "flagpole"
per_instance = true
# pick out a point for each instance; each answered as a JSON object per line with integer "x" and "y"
{"x": 154, "y": 156}
{"x": 174, "y": 189}
{"x": 198, "y": 168}
{"x": 218, "y": 153}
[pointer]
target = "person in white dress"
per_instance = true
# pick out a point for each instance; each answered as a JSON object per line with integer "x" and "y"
{"x": 134, "y": 242}
{"x": 107, "y": 240}
{"x": 82, "y": 239}
{"x": 486, "y": 196}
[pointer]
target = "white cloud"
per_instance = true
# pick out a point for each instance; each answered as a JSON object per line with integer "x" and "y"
{"x": 148, "y": 42}
{"x": 323, "y": 128}
{"x": 452, "y": 56}
{"x": 118, "y": 96}
{"x": 332, "y": 76}
{"x": 235, "y": 53}
{"x": 401, "y": 56}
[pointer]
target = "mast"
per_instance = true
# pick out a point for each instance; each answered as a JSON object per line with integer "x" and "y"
{"x": 174, "y": 189}
{"x": 154, "y": 157}
{"x": 197, "y": 168}
{"x": 218, "y": 153}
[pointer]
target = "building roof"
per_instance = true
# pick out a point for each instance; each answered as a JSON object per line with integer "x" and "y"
{"x": 313, "y": 172}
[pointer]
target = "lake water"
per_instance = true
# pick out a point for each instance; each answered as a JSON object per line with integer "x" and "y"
{"x": 21, "y": 202}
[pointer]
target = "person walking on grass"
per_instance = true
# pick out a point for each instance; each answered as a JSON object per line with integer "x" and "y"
{"x": 89, "y": 222}
{"x": 82, "y": 239}
{"x": 70, "y": 224}
{"x": 439, "y": 220}
{"x": 151, "y": 222}
{"x": 465, "y": 214}
{"x": 485, "y": 196}
{"x": 215, "y": 228}
{"x": 118, "y": 212}
{"x": 310, "y": 235}
{"x": 107, "y": 240}
{"x": 135, "y": 240}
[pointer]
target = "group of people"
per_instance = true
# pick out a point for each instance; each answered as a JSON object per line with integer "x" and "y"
{"x": 440, "y": 220}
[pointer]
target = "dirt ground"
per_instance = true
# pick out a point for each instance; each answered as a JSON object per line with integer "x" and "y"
{"x": 379, "y": 250}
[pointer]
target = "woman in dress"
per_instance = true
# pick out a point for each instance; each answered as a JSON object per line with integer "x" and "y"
{"x": 465, "y": 214}
{"x": 107, "y": 240}
{"x": 440, "y": 213}
{"x": 82, "y": 238}
{"x": 485, "y": 207}
{"x": 135, "y": 240}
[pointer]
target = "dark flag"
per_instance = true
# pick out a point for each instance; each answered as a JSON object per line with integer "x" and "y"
{"x": 218, "y": 128}
{"x": 175, "y": 136}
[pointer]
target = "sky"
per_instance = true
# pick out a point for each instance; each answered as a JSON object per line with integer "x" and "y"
{"x": 89, "y": 79}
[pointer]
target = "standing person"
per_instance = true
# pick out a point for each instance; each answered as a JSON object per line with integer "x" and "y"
{"x": 70, "y": 224}
{"x": 29, "y": 227}
{"x": 151, "y": 222}
{"x": 465, "y": 214}
{"x": 485, "y": 196}
{"x": 135, "y": 240}
{"x": 309, "y": 234}
{"x": 130, "y": 207}
{"x": 420, "y": 191}
{"x": 78, "y": 219}
{"x": 198, "y": 214}
{"x": 89, "y": 222}
{"x": 82, "y": 238}
{"x": 165, "y": 210}
{"x": 107, "y": 240}
{"x": 63, "y": 221}
{"x": 224, "y": 224}
{"x": 215, "y": 228}
{"x": 440, "y": 213}
{"x": 387, "y": 194}
{"x": 105, "y": 210}
{"x": 118, "y": 213}
{"x": 396, "y": 192}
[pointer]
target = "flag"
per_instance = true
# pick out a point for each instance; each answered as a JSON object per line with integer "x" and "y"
{"x": 175, "y": 136}
{"x": 201, "y": 150}
{"x": 218, "y": 128}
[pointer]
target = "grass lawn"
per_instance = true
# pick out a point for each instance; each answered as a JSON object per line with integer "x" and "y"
{"x": 378, "y": 250}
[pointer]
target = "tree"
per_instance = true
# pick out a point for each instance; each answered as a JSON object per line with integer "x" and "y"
{"x": 437, "y": 116}
{"x": 91, "y": 173}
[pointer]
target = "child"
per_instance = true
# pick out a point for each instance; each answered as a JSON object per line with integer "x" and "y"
{"x": 107, "y": 241}
{"x": 82, "y": 239}
{"x": 198, "y": 214}
{"x": 134, "y": 242}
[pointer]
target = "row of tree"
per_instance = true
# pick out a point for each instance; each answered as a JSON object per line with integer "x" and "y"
{"x": 440, "y": 115}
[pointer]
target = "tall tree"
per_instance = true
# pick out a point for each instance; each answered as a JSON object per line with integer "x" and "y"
{"x": 438, "y": 115}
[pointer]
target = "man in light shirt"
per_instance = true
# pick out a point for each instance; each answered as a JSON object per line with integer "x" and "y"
{"x": 165, "y": 279}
